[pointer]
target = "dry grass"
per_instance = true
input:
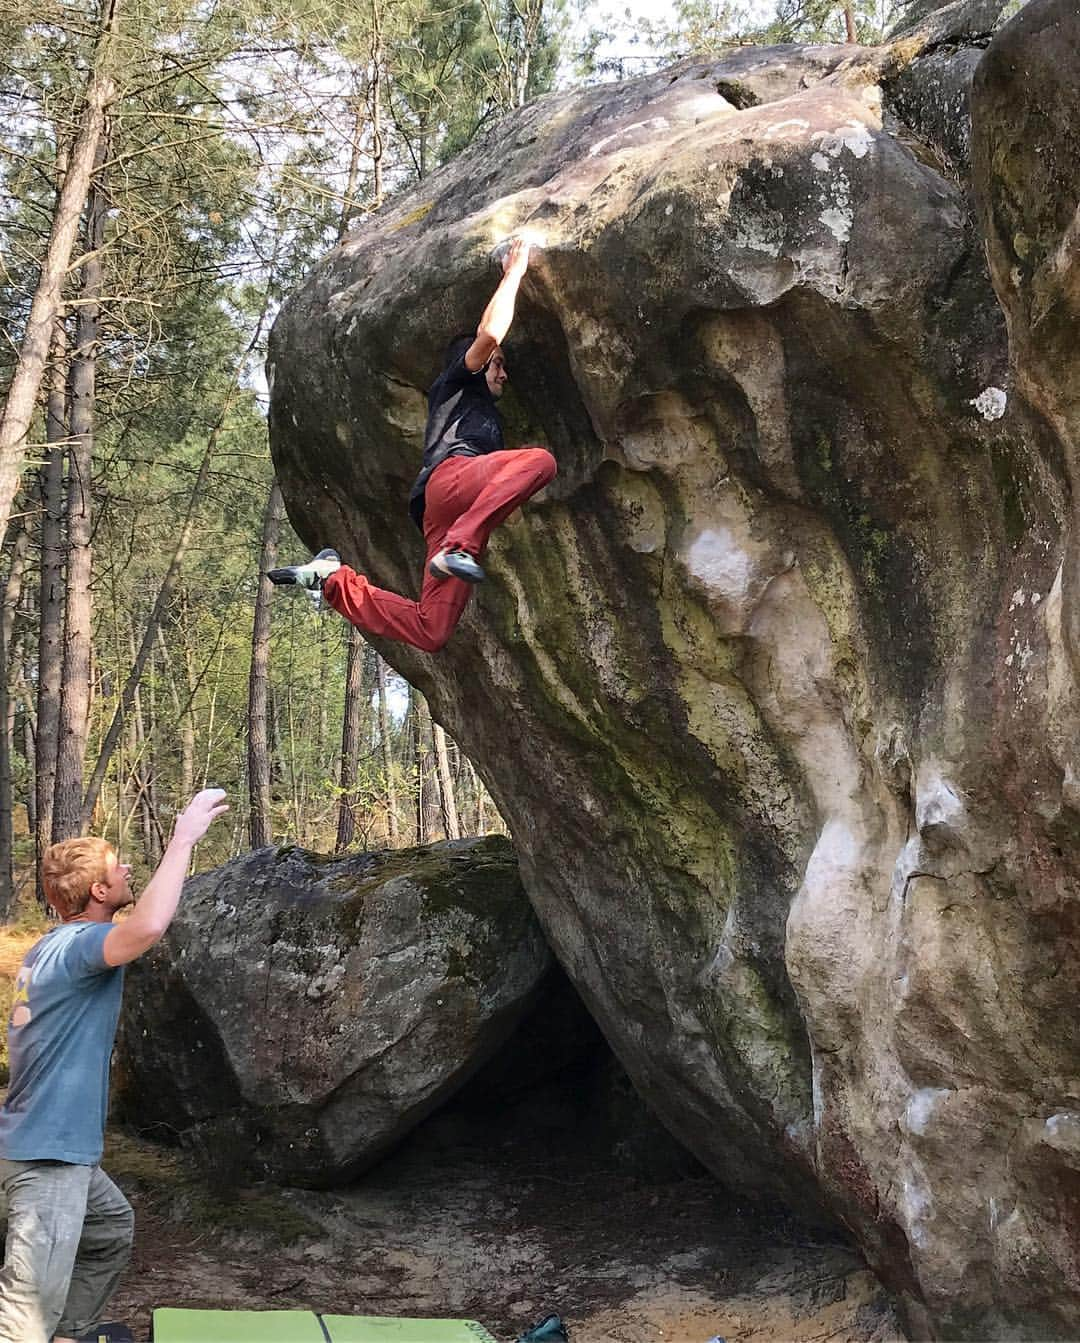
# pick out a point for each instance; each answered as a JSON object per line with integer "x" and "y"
{"x": 15, "y": 941}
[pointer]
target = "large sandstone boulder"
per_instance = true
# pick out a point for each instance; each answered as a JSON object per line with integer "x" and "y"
{"x": 303, "y": 1014}
{"x": 776, "y": 687}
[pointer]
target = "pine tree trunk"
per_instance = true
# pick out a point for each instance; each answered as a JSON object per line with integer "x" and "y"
{"x": 259, "y": 829}
{"x": 392, "y": 829}
{"x": 182, "y": 705}
{"x": 416, "y": 743}
{"x": 349, "y": 194}
{"x": 279, "y": 765}
{"x": 375, "y": 96}
{"x": 427, "y": 794}
{"x": 187, "y": 733}
{"x": 849, "y": 21}
{"x": 521, "y": 77}
{"x": 355, "y": 712}
{"x": 153, "y": 838}
{"x": 141, "y": 778}
{"x": 447, "y": 801}
{"x": 50, "y": 601}
{"x": 29, "y": 744}
{"x": 12, "y": 593}
{"x": 322, "y": 760}
{"x": 75, "y": 686}
{"x": 141, "y": 775}
{"x": 481, "y": 801}
{"x": 45, "y": 307}
{"x": 127, "y": 773}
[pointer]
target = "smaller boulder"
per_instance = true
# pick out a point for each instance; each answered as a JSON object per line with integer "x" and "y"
{"x": 304, "y": 1013}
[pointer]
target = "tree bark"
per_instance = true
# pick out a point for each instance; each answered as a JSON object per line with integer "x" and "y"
{"x": 50, "y": 601}
{"x": 75, "y": 677}
{"x": 416, "y": 770}
{"x": 392, "y": 829}
{"x": 428, "y": 815}
{"x": 12, "y": 593}
{"x": 29, "y": 740}
{"x": 153, "y": 839}
{"x": 350, "y": 738}
{"x": 375, "y": 95}
{"x": 279, "y": 764}
{"x": 849, "y": 21}
{"x": 48, "y": 295}
{"x": 481, "y": 801}
{"x": 447, "y": 801}
{"x": 360, "y": 115}
{"x": 258, "y": 731}
{"x": 183, "y": 706}
{"x": 140, "y": 783}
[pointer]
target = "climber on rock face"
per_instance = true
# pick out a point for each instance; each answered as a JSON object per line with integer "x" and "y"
{"x": 468, "y": 484}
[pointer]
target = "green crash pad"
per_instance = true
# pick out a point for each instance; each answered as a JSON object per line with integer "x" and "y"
{"x": 237, "y": 1326}
{"x": 382, "y": 1329}
{"x": 301, "y": 1326}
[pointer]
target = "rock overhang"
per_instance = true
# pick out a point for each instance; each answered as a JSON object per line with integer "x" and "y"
{"x": 751, "y": 685}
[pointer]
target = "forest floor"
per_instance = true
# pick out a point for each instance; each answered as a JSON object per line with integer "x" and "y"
{"x": 502, "y": 1233}
{"x": 487, "y": 1236}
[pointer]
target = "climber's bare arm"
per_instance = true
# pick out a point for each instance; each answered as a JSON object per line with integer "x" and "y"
{"x": 157, "y": 904}
{"x": 499, "y": 313}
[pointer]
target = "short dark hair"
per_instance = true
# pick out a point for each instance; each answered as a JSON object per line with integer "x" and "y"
{"x": 458, "y": 346}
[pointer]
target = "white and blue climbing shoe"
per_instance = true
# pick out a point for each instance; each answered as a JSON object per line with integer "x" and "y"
{"x": 456, "y": 564}
{"x": 311, "y": 575}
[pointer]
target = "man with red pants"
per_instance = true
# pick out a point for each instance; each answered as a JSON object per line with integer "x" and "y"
{"x": 468, "y": 484}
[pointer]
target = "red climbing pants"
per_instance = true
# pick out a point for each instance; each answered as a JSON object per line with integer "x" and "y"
{"x": 465, "y": 500}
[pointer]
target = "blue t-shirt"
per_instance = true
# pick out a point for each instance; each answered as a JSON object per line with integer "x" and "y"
{"x": 60, "y": 1039}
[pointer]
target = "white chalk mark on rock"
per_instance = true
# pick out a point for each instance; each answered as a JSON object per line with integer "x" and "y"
{"x": 990, "y": 403}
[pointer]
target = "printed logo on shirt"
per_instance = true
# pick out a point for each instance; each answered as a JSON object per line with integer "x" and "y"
{"x": 20, "y": 1005}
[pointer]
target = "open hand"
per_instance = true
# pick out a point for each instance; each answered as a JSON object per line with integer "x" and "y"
{"x": 194, "y": 821}
{"x": 516, "y": 257}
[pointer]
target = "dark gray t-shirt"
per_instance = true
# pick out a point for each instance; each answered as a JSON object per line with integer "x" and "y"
{"x": 60, "y": 1039}
{"x": 463, "y": 421}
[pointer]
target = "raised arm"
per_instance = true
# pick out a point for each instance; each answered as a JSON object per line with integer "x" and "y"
{"x": 156, "y": 906}
{"x": 499, "y": 312}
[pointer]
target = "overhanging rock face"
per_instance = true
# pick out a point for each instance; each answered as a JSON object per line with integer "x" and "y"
{"x": 775, "y": 686}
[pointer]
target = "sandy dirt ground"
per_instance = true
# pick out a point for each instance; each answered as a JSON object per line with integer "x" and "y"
{"x": 503, "y": 1232}
{"x": 486, "y": 1236}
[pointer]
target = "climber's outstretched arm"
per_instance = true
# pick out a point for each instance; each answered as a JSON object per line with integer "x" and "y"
{"x": 499, "y": 313}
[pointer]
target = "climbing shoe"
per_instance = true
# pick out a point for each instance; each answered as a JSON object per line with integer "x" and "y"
{"x": 456, "y": 564}
{"x": 311, "y": 575}
{"x": 550, "y": 1330}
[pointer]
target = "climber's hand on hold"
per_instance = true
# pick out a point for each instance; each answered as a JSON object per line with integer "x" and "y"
{"x": 516, "y": 257}
{"x": 499, "y": 312}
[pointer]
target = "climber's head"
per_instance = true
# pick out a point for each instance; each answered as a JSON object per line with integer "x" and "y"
{"x": 495, "y": 372}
